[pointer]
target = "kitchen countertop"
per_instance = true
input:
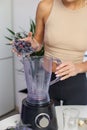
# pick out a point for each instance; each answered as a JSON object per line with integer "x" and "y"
{"x": 12, "y": 120}
{"x": 82, "y": 114}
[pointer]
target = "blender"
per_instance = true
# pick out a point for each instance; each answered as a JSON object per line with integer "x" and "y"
{"x": 38, "y": 109}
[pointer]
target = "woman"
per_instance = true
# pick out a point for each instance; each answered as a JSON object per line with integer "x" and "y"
{"x": 62, "y": 26}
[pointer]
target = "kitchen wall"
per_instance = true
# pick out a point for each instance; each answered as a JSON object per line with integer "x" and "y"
{"x": 23, "y": 11}
{"x": 6, "y": 60}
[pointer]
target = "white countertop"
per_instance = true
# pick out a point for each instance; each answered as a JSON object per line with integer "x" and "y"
{"x": 59, "y": 109}
{"x": 11, "y": 121}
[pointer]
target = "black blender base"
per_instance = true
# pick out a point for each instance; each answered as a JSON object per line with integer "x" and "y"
{"x": 39, "y": 117}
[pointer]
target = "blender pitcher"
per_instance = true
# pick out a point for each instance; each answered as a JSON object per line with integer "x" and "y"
{"x": 38, "y": 110}
{"x": 38, "y": 71}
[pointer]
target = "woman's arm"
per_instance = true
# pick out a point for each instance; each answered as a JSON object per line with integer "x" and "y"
{"x": 82, "y": 67}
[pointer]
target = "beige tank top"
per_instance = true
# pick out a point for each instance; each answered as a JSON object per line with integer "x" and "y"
{"x": 65, "y": 35}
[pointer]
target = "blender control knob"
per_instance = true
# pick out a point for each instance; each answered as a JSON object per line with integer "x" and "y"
{"x": 42, "y": 120}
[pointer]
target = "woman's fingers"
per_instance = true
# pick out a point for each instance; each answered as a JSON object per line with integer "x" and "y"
{"x": 30, "y": 34}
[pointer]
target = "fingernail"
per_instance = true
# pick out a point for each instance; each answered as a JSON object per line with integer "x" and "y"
{"x": 57, "y": 75}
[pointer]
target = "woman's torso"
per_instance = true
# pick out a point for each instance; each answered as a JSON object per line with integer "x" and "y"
{"x": 65, "y": 34}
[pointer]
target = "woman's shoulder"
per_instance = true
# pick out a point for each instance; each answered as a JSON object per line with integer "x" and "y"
{"x": 44, "y": 7}
{"x": 44, "y": 4}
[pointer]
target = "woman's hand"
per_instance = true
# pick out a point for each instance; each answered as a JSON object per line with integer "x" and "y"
{"x": 26, "y": 45}
{"x": 67, "y": 69}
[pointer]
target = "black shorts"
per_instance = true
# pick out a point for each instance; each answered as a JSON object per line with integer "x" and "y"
{"x": 73, "y": 91}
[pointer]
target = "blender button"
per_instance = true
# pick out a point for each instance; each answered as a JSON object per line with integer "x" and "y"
{"x": 44, "y": 122}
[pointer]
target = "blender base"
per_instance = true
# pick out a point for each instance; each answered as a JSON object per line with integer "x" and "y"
{"x": 39, "y": 117}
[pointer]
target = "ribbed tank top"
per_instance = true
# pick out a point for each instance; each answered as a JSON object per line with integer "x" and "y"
{"x": 65, "y": 34}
